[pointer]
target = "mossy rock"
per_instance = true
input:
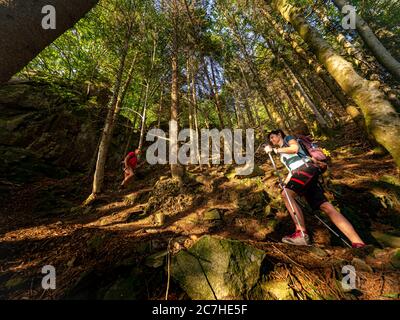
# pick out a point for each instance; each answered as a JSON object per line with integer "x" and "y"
{"x": 277, "y": 290}
{"x": 217, "y": 268}
{"x": 211, "y": 214}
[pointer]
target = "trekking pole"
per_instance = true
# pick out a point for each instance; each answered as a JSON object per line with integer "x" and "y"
{"x": 335, "y": 233}
{"x": 286, "y": 193}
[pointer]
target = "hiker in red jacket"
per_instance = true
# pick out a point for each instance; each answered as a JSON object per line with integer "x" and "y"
{"x": 130, "y": 163}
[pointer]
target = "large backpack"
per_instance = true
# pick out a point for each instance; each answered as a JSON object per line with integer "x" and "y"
{"x": 313, "y": 151}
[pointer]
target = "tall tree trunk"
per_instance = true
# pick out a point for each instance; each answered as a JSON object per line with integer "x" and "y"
{"x": 109, "y": 126}
{"x": 160, "y": 108}
{"x": 379, "y": 51}
{"x": 143, "y": 118}
{"x": 194, "y": 108}
{"x": 22, "y": 37}
{"x": 254, "y": 110}
{"x": 176, "y": 170}
{"x": 132, "y": 130}
{"x": 248, "y": 110}
{"x": 237, "y": 115}
{"x": 214, "y": 94}
{"x": 125, "y": 87}
{"x": 381, "y": 118}
{"x": 120, "y": 101}
{"x": 215, "y": 86}
{"x": 144, "y": 113}
{"x": 189, "y": 93}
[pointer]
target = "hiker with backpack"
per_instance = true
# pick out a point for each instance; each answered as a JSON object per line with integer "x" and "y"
{"x": 303, "y": 181}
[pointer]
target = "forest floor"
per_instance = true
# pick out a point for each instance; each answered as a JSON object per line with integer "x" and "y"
{"x": 43, "y": 224}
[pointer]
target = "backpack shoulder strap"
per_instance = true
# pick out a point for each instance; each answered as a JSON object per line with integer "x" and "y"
{"x": 286, "y": 141}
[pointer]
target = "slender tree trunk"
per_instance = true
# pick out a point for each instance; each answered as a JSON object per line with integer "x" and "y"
{"x": 381, "y": 118}
{"x": 109, "y": 125}
{"x": 214, "y": 94}
{"x": 238, "y": 102}
{"x": 132, "y": 130}
{"x": 248, "y": 111}
{"x": 215, "y": 86}
{"x": 237, "y": 116}
{"x": 195, "y": 117}
{"x": 204, "y": 111}
{"x": 379, "y": 51}
{"x": 143, "y": 123}
{"x": 189, "y": 93}
{"x": 160, "y": 108}
{"x": 125, "y": 88}
{"x": 176, "y": 170}
{"x": 144, "y": 114}
{"x": 256, "y": 115}
{"x": 174, "y": 112}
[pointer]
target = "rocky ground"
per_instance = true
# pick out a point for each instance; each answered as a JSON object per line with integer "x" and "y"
{"x": 217, "y": 236}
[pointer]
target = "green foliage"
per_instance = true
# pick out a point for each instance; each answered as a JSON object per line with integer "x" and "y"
{"x": 233, "y": 36}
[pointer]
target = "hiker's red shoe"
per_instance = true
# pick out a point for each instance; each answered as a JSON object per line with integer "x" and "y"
{"x": 356, "y": 245}
{"x": 297, "y": 239}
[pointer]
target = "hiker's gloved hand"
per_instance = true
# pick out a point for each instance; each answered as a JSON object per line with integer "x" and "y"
{"x": 268, "y": 149}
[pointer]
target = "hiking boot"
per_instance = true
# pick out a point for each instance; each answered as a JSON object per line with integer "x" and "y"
{"x": 362, "y": 250}
{"x": 297, "y": 239}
